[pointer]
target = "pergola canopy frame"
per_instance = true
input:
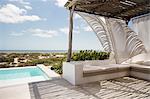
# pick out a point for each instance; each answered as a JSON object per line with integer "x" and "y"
{"x": 120, "y": 9}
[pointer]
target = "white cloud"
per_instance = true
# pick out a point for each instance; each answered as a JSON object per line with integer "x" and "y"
{"x": 87, "y": 29}
{"x": 28, "y": 7}
{"x": 12, "y": 14}
{"x": 23, "y": 3}
{"x": 60, "y": 3}
{"x": 65, "y": 30}
{"x": 43, "y": 33}
{"x": 16, "y": 34}
{"x": 20, "y": 1}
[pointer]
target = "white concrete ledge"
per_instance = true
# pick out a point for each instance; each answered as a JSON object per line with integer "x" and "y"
{"x": 51, "y": 74}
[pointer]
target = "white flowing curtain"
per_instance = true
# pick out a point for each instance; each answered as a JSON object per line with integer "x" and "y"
{"x": 97, "y": 23}
{"x": 119, "y": 38}
{"x": 127, "y": 42}
{"x": 141, "y": 25}
{"x": 115, "y": 36}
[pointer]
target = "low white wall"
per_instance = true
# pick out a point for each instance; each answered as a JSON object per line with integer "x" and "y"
{"x": 73, "y": 72}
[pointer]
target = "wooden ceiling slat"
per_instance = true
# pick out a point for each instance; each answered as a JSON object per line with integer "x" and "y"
{"x": 124, "y": 9}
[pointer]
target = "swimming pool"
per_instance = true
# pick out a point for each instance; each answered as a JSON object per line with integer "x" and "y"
{"x": 21, "y": 75}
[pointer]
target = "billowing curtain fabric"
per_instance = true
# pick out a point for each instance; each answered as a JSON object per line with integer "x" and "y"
{"x": 126, "y": 42}
{"x": 97, "y": 23}
{"x": 118, "y": 38}
{"x": 141, "y": 25}
{"x": 115, "y": 36}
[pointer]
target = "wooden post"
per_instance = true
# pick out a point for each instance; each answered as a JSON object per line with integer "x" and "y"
{"x": 70, "y": 35}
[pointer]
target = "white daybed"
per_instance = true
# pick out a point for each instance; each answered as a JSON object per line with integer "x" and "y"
{"x": 89, "y": 71}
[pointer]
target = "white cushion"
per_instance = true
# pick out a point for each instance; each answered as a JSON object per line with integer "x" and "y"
{"x": 147, "y": 63}
{"x": 138, "y": 62}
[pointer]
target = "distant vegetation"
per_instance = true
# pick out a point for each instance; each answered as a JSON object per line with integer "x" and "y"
{"x": 50, "y": 59}
{"x": 6, "y": 59}
{"x": 82, "y": 56}
{"x": 32, "y": 59}
{"x": 89, "y": 55}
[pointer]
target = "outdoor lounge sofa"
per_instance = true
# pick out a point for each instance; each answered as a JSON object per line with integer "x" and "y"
{"x": 90, "y": 71}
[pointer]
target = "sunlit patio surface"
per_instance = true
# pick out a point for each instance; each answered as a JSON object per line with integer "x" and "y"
{"x": 120, "y": 88}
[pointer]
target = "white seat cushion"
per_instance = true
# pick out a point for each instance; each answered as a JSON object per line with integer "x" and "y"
{"x": 147, "y": 63}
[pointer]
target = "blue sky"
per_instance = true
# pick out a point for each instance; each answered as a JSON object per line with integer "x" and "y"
{"x": 41, "y": 25}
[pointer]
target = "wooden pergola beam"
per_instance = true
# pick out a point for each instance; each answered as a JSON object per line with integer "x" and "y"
{"x": 131, "y": 10}
{"x": 98, "y": 14}
{"x": 121, "y": 9}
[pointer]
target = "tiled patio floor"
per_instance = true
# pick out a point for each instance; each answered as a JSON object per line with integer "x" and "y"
{"x": 121, "y": 88}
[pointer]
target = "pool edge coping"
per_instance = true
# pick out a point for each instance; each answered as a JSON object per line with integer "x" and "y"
{"x": 51, "y": 74}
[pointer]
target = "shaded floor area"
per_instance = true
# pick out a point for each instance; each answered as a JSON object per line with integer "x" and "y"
{"x": 121, "y": 88}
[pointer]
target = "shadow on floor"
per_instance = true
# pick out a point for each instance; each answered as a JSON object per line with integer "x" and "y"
{"x": 108, "y": 89}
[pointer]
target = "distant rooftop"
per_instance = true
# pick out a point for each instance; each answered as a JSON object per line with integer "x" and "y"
{"x": 122, "y": 9}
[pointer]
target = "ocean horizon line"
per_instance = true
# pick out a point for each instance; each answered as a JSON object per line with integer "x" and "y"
{"x": 31, "y": 51}
{"x": 35, "y": 51}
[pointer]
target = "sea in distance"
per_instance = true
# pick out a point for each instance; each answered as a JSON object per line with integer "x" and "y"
{"x": 33, "y": 51}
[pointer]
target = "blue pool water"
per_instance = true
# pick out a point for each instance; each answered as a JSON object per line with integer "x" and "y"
{"x": 21, "y": 73}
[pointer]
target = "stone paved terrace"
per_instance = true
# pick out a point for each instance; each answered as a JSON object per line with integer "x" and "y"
{"x": 121, "y": 88}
